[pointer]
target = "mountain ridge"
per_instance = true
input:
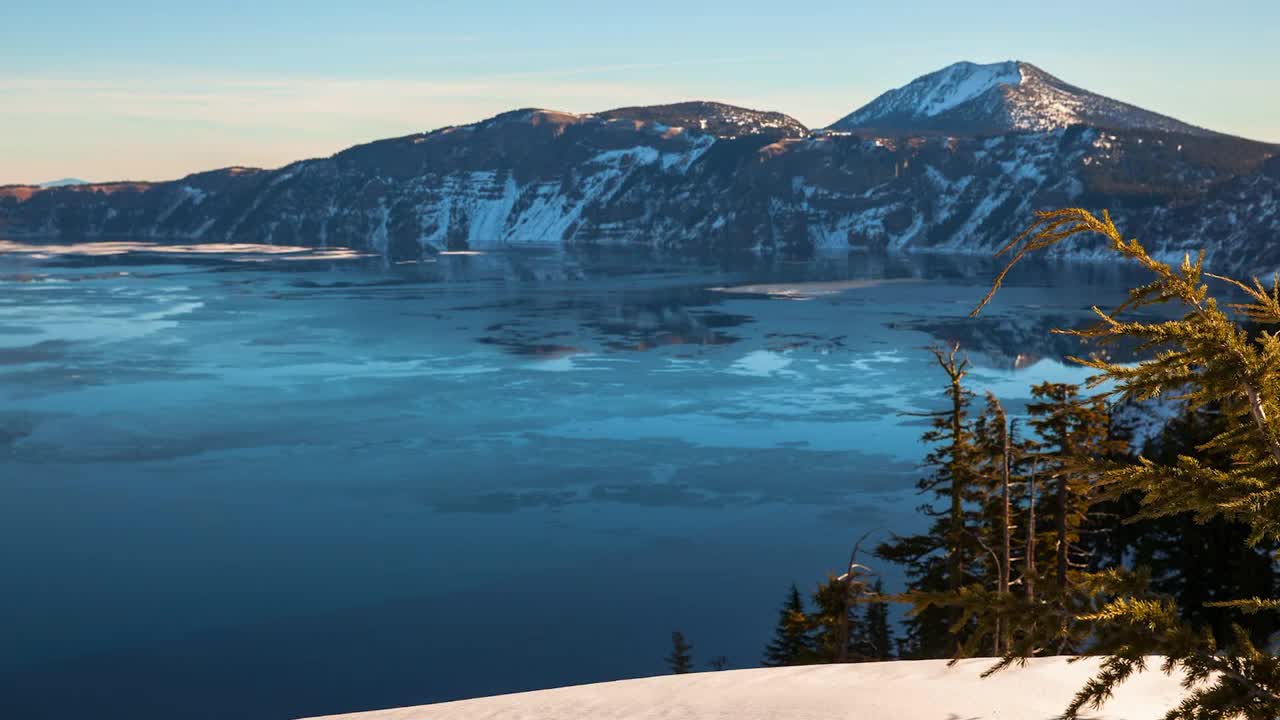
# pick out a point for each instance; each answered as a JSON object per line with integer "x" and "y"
{"x": 703, "y": 177}
{"x": 1009, "y": 96}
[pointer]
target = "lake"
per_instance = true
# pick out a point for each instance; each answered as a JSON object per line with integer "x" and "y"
{"x": 241, "y": 484}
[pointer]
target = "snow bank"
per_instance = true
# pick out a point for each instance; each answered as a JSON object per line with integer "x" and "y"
{"x": 905, "y": 690}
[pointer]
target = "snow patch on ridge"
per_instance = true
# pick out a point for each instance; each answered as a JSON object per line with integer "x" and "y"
{"x": 933, "y": 94}
{"x": 964, "y": 81}
{"x": 1000, "y": 97}
{"x": 487, "y": 209}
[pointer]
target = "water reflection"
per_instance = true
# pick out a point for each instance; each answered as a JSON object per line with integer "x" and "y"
{"x": 244, "y": 463}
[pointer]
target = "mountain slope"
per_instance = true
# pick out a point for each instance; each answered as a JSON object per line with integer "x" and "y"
{"x": 715, "y": 118}
{"x": 706, "y": 178}
{"x": 966, "y": 98}
{"x": 63, "y": 182}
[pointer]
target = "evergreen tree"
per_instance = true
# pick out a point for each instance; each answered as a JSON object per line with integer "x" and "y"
{"x": 876, "y": 640}
{"x": 837, "y": 627}
{"x": 992, "y": 618}
{"x": 680, "y": 660}
{"x": 1193, "y": 562}
{"x": 1074, "y": 434}
{"x": 996, "y": 443}
{"x": 834, "y": 624}
{"x": 792, "y": 644}
{"x": 940, "y": 559}
{"x": 1208, "y": 359}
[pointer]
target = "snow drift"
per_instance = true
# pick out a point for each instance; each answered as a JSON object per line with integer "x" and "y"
{"x": 903, "y": 690}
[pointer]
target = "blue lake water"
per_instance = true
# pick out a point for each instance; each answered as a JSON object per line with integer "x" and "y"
{"x": 243, "y": 486}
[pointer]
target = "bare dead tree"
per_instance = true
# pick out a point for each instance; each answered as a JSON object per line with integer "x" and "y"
{"x": 854, "y": 586}
{"x": 1006, "y": 525}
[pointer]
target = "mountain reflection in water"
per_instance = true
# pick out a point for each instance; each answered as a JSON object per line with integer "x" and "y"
{"x": 224, "y": 483}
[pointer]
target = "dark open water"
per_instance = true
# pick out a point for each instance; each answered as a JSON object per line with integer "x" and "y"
{"x": 239, "y": 486}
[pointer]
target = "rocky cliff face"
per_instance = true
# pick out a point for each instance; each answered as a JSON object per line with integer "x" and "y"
{"x": 700, "y": 177}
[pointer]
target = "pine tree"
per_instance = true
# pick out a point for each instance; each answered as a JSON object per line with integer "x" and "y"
{"x": 792, "y": 644}
{"x": 834, "y": 623}
{"x": 1075, "y": 433}
{"x": 876, "y": 640}
{"x": 994, "y": 438}
{"x": 1194, "y": 563}
{"x": 940, "y": 559}
{"x": 992, "y": 617}
{"x": 837, "y": 628}
{"x": 680, "y": 660}
{"x": 1206, "y": 358}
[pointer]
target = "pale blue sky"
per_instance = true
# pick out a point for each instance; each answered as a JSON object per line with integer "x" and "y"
{"x": 145, "y": 89}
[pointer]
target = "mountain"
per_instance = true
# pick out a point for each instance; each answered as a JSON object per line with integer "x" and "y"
{"x": 966, "y": 98}
{"x": 63, "y": 183}
{"x": 710, "y": 178}
{"x": 716, "y": 118}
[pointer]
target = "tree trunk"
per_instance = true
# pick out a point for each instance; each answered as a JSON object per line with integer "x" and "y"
{"x": 1030, "y": 561}
{"x": 1062, "y": 531}
{"x": 1006, "y": 556}
{"x": 957, "y": 487}
{"x": 959, "y": 474}
{"x": 955, "y": 572}
{"x": 842, "y": 637}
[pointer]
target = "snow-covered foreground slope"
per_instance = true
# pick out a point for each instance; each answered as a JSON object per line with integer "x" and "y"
{"x": 905, "y": 690}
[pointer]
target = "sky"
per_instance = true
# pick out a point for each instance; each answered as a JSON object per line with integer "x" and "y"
{"x": 150, "y": 90}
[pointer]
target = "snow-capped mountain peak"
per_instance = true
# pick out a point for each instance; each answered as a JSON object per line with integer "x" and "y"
{"x": 967, "y": 98}
{"x": 64, "y": 182}
{"x": 943, "y": 90}
{"x": 953, "y": 162}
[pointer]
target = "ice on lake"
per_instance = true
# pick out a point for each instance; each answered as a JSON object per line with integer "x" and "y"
{"x": 324, "y": 484}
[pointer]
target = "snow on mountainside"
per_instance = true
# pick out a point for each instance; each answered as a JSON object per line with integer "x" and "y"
{"x": 967, "y": 98}
{"x": 63, "y": 182}
{"x": 715, "y": 118}
{"x": 707, "y": 177}
{"x": 929, "y": 95}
